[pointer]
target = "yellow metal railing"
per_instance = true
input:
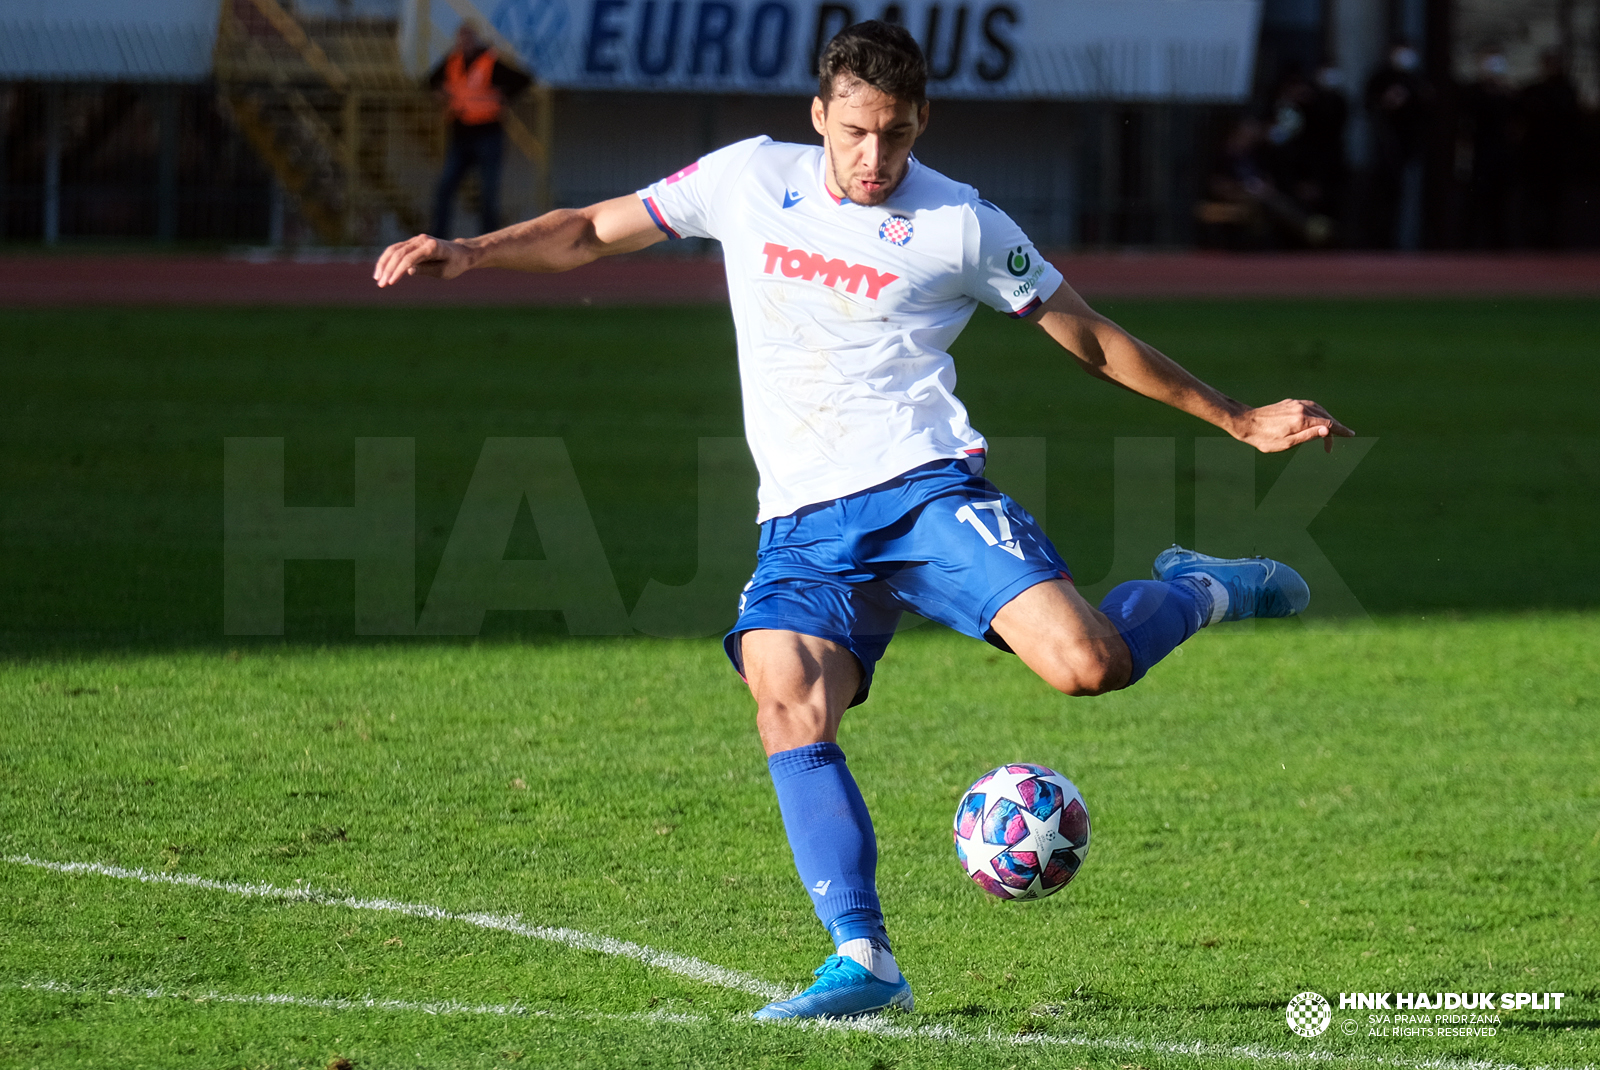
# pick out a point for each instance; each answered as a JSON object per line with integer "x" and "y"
{"x": 330, "y": 107}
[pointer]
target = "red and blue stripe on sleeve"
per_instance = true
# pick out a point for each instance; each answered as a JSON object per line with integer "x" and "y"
{"x": 658, "y": 218}
{"x": 1026, "y": 310}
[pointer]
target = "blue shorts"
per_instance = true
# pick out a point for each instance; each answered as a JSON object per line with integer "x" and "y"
{"x": 939, "y": 540}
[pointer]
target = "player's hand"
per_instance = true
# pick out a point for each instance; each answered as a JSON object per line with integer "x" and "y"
{"x": 1273, "y": 428}
{"x": 422, "y": 255}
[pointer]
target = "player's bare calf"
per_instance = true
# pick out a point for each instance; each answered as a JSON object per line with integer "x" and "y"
{"x": 1067, "y": 642}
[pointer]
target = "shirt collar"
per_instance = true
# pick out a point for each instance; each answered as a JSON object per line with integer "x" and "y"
{"x": 822, "y": 179}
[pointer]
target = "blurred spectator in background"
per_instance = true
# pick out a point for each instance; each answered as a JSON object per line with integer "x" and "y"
{"x": 1550, "y": 119}
{"x": 1486, "y": 151}
{"x": 1307, "y": 136}
{"x": 1400, "y": 102}
{"x": 1246, "y": 208}
{"x": 1285, "y": 129}
{"x": 1327, "y": 113}
{"x": 475, "y": 85}
{"x": 1294, "y": 146}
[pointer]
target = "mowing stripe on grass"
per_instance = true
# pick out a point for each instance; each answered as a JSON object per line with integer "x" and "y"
{"x": 875, "y": 1026}
{"x": 683, "y": 965}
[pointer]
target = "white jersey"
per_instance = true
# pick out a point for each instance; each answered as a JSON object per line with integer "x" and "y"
{"x": 845, "y": 314}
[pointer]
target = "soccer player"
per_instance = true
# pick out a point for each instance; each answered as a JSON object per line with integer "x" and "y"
{"x": 851, "y": 270}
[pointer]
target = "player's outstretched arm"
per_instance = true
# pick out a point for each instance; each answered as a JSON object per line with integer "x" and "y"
{"x": 556, "y": 241}
{"x": 1107, "y": 352}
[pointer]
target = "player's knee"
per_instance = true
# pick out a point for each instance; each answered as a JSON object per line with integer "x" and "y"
{"x": 1086, "y": 670}
{"x": 1081, "y": 682}
{"x": 785, "y": 723}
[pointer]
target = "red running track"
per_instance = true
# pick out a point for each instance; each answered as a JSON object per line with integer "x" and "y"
{"x": 66, "y": 280}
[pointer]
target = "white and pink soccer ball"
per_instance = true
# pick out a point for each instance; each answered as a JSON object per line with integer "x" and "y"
{"x": 1022, "y": 831}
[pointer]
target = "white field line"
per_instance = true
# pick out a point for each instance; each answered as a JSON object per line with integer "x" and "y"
{"x": 1197, "y": 1049}
{"x": 875, "y": 1026}
{"x": 683, "y": 965}
{"x": 364, "y": 1003}
{"x": 688, "y": 967}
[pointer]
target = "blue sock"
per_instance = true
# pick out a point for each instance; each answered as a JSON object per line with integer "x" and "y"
{"x": 830, "y": 833}
{"x": 1153, "y": 617}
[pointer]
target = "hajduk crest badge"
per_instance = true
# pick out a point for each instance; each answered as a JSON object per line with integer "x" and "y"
{"x": 896, "y": 230}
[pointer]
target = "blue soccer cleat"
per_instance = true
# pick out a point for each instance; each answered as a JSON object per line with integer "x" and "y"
{"x": 1255, "y": 586}
{"x": 844, "y": 988}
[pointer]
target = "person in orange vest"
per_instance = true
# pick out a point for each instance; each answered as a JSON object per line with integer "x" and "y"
{"x": 475, "y": 85}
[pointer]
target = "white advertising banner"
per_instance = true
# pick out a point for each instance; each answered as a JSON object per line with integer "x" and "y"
{"x": 107, "y": 40}
{"x": 1189, "y": 50}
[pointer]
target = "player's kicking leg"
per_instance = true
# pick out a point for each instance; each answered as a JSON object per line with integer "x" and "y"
{"x": 802, "y": 685}
{"x": 1080, "y": 650}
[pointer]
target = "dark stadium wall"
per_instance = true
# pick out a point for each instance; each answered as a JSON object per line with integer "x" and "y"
{"x": 1071, "y": 174}
{"x": 124, "y": 162}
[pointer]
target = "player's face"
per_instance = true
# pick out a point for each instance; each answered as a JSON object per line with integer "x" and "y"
{"x": 868, "y": 137}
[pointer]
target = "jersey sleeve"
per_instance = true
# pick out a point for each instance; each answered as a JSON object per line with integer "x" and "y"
{"x": 1004, "y": 270}
{"x": 688, "y": 204}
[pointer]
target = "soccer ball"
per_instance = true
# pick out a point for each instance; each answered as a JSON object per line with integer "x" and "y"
{"x": 1022, "y": 831}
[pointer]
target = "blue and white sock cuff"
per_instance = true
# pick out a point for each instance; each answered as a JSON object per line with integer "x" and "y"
{"x": 804, "y": 759}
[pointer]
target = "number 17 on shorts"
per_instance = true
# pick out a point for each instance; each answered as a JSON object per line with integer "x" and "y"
{"x": 968, "y": 514}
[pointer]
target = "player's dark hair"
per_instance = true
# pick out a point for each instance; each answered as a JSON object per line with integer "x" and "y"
{"x": 880, "y": 54}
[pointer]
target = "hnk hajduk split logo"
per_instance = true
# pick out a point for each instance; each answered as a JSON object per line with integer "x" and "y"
{"x": 1309, "y": 1014}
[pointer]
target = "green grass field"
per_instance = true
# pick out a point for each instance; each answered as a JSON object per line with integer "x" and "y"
{"x": 1410, "y": 804}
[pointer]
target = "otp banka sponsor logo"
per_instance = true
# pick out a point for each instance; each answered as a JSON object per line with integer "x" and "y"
{"x": 800, "y": 264}
{"x": 1020, "y": 265}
